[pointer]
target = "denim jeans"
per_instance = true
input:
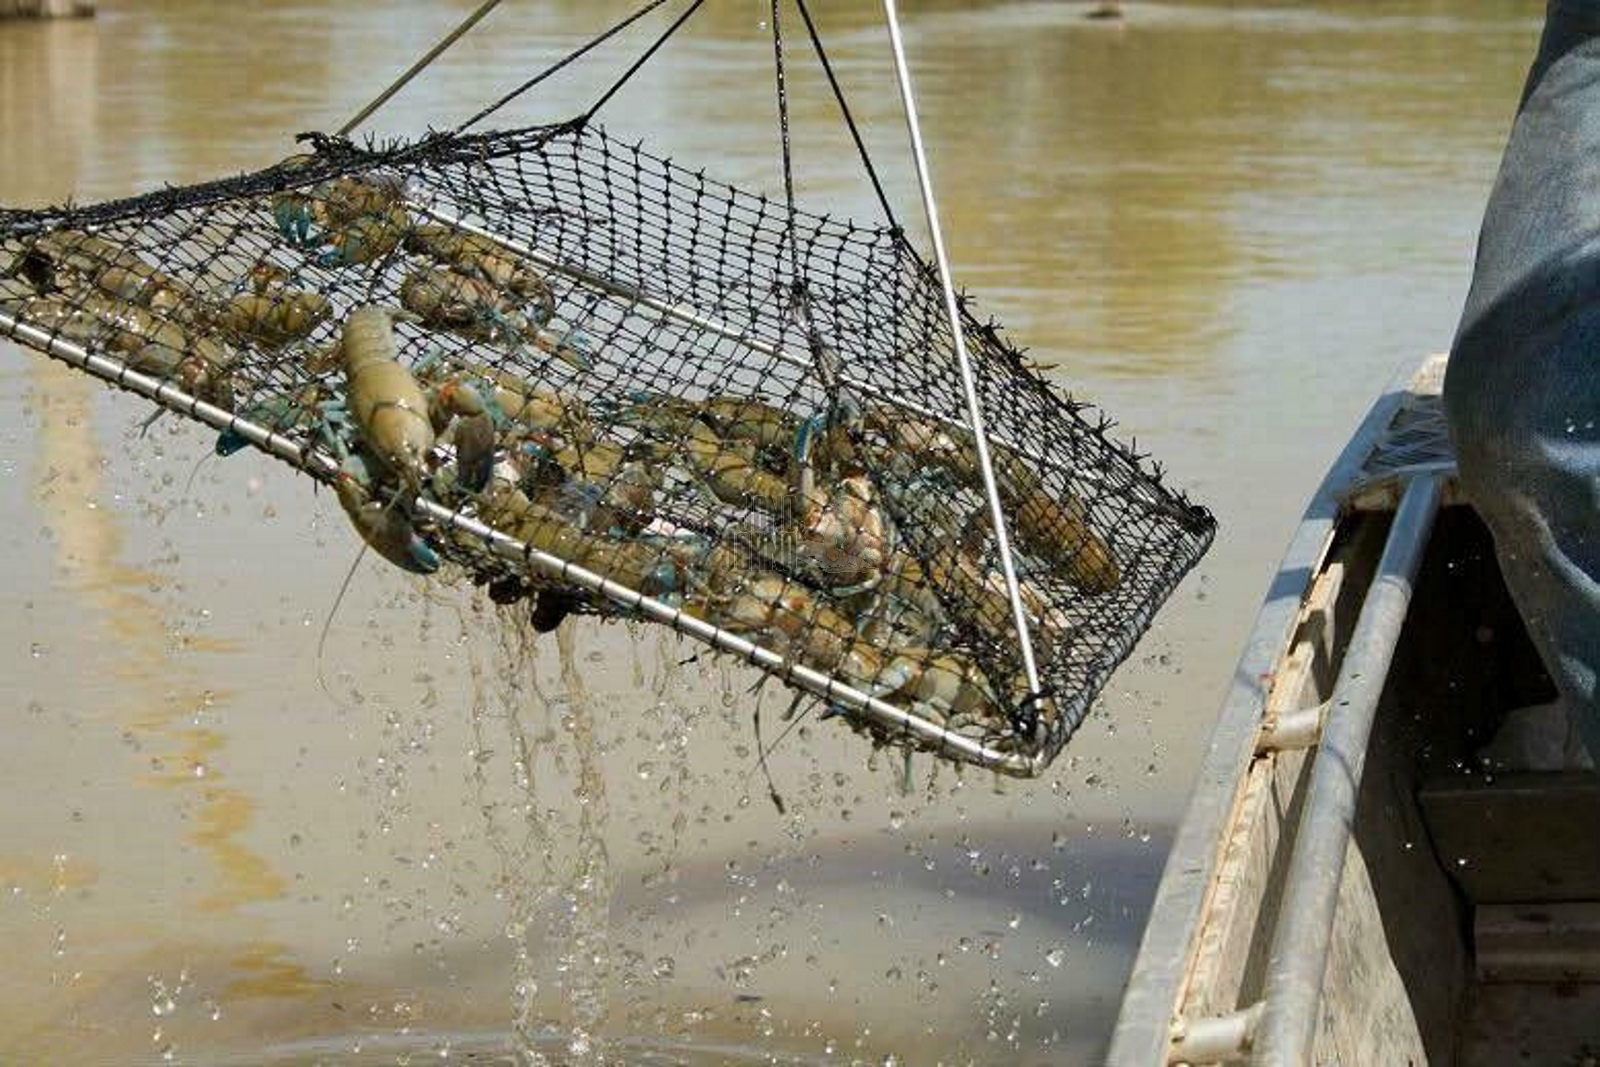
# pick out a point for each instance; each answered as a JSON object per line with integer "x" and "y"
{"x": 1522, "y": 394}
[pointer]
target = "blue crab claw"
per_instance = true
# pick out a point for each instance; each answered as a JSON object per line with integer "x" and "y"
{"x": 335, "y": 429}
{"x": 665, "y": 581}
{"x": 844, "y": 412}
{"x": 277, "y": 413}
{"x": 386, "y": 528}
{"x": 420, "y": 556}
{"x": 537, "y": 450}
{"x": 806, "y": 434}
{"x": 293, "y": 216}
{"x": 573, "y": 347}
{"x": 229, "y": 442}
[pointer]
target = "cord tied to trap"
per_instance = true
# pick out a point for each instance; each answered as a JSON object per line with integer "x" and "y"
{"x": 550, "y": 362}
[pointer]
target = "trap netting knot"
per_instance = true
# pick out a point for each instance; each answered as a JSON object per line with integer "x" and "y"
{"x": 553, "y": 363}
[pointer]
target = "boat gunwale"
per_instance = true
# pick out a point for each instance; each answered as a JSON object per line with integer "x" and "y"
{"x": 1171, "y": 936}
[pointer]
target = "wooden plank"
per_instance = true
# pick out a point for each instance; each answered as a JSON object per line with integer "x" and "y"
{"x": 1241, "y": 906}
{"x": 1538, "y": 942}
{"x": 1517, "y": 838}
{"x": 1367, "y": 1017}
{"x": 1232, "y": 919}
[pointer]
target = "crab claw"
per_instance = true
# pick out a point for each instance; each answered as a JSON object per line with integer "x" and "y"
{"x": 387, "y": 529}
{"x": 572, "y": 347}
{"x": 475, "y": 441}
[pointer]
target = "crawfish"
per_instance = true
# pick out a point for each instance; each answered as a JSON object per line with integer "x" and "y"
{"x": 388, "y": 405}
{"x": 365, "y": 239}
{"x": 900, "y": 609}
{"x": 59, "y": 319}
{"x": 981, "y": 595}
{"x": 386, "y": 528}
{"x": 343, "y": 200}
{"x": 734, "y": 474}
{"x": 487, "y": 260}
{"x": 541, "y": 409}
{"x": 474, "y": 309}
{"x": 1054, "y": 529}
{"x": 844, "y": 531}
{"x": 787, "y": 618}
{"x": 557, "y": 525}
{"x": 516, "y": 403}
{"x": 945, "y": 686}
{"x": 153, "y": 345}
{"x": 134, "y": 327}
{"x": 309, "y": 218}
{"x": 730, "y": 470}
{"x": 624, "y": 488}
{"x": 273, "y": 318}
{"x": 195, "y": 374}
{"x": 767, "y": 427}
{"x": 447, "y": 300}
{"x": 108, "y": 267}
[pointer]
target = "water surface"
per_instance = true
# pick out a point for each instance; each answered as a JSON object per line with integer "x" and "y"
{"x": 1225, "y": 224}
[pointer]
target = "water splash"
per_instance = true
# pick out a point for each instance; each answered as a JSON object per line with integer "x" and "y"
{"x": 589, "y": 892}
{"x": 556, "y": 879}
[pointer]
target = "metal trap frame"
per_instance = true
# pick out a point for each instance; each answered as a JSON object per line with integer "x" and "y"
{"x": 688, "y": 290}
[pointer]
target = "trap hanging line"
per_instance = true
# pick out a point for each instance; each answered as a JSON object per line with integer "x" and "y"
{"x": 595, "y": 381}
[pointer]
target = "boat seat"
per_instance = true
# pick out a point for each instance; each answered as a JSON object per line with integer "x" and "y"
{"x": 1517, "y": 838}
{"x": 1524, "y": 849}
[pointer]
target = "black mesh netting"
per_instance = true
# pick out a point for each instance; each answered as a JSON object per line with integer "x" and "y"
{"x": 752, "y": 419}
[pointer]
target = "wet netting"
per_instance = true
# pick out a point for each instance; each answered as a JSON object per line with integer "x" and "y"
{"x": 598, "y": 382}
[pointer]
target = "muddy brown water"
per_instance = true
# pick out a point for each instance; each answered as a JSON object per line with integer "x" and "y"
{"x": 1226, "y": 224}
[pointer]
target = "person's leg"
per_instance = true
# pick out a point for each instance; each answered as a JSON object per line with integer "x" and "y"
{"x": 1529, "y": 455}
{"x": 1523, "y": 390}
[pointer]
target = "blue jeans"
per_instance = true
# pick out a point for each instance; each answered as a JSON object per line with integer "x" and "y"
{"x": 1522, "y": 394}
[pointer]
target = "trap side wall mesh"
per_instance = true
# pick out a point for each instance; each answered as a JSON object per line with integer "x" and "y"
{"x": 705, "y": 355}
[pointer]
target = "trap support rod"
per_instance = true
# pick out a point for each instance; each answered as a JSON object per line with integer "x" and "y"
{"x": 969, "y": 386}
{"x": 419, "y": 66}
{"x": 323, "y": 467}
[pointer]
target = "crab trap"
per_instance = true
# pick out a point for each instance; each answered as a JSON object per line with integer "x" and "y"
{"x": 598, "y": 382}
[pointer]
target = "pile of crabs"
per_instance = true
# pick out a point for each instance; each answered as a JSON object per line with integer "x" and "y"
{"x": 794, "y": 547}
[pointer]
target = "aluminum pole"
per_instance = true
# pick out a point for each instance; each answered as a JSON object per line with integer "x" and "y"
{"x": 969, "y": 388}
